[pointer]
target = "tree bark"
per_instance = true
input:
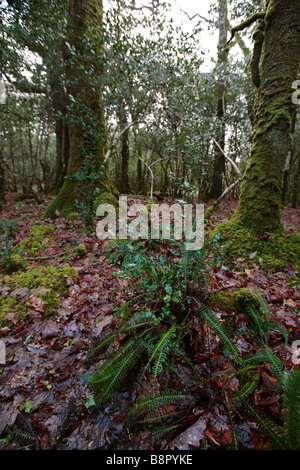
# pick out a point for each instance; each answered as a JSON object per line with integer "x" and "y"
{"x": 219, "y": 160}
{"x": 59, "y": 103}
{"x": 260, "y": 199}
{"x": 86, "y": 174}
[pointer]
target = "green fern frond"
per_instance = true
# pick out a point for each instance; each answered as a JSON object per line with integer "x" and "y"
{"x": 160, "y": 351}
{"x": 168, "y": 397}
{"x": 245, "y": 391}
{"x": 162, "y": 431}
{"x": 263, "y": 322}
{"x": 276, "y": 364}
{"x": 276, "y": 437}
{"x": 215, "y": 324}
{"x": 110, "y": 375}
{"x": 291, "y": 403}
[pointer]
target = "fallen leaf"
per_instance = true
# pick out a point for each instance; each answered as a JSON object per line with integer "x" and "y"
{"x": 190, "y": 439}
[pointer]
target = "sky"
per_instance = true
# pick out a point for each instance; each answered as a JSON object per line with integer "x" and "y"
{"x": 208, "y": 39}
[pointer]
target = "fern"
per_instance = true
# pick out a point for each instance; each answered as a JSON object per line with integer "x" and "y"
{"x": 111, "y": 374}
{"x": 245, "y": 391}
{"x": 160, "y": 352}
{"x": 157, "y": 401}
{"x": 263, "y": 322}
{"x": 266, "y": 427}
{"x": 276, "y": 364}
{"x": 215, "y": 324}
{"x": 291, "y": 403}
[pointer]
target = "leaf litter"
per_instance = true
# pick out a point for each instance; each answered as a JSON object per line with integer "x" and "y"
{"x": 46, "y": 357}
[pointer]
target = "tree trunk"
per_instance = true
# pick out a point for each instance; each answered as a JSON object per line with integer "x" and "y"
{"x": 124, "y": 181}
{"x": 59, "y": 102}
{"x": 219, "y": 160}
{"x": 260, "y": 198}
{"x": 87, "y": 177}
{"x": 296, "y": 183}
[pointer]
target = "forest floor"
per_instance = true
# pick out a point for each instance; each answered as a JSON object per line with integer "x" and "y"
{"x": 46, "y": 357}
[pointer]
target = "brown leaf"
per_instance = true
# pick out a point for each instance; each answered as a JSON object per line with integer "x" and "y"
{"x": 190, "y": 439}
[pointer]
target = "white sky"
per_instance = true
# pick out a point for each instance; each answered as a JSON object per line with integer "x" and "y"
{"x": 208, "y": 39}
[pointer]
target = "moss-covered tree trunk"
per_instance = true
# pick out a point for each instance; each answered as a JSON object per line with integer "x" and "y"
{"x": 86, "y": 178}
{"x": 260, "y": 199}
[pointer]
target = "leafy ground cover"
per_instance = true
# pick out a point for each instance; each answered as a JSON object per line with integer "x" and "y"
{"x": 57, "y": 306}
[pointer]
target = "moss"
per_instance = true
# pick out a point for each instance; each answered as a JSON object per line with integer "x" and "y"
{"x": 246, "y": 297}
{"x": 224, "y": 300}
{"x": 49, "y": 276}
{"x": 55, "y": 279}
{"x": 236, "y": 301}
{"x": 81, "y": 250}
{"x": 36, "y": 243}
{"x": 52, "y": 302}
{"x": 272, "y": 251}
{"x": 11, "y": 305}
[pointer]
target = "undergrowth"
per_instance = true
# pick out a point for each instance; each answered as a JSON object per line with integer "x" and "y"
{"x": 149, "y": 339}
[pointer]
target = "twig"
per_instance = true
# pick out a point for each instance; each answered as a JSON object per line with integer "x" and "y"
{"x": 39, "y": 258}
{"x": 194, "y": 16}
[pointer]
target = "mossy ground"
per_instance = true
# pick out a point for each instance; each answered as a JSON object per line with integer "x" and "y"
{"x": 38, "y": 240}
{"x": 55, "y": 281}
{"x": 237, "y": 301}
{"x": 274, "y": 252}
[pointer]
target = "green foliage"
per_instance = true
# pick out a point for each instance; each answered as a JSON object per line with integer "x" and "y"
{"x": 166, "y": 280}
{"x": 8, "y": 228}
{"x": 37, "y": 241}
{"x": 225, "y": 336}
{"x": 81, "y": 250}
{"x": 149, "y": 411}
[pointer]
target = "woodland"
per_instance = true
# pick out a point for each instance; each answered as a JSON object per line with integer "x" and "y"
{"x": 123, "y": 344}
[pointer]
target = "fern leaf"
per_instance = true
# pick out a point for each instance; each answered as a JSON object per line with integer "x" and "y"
{"x": 291, "y": 403}
{"x": 219, "y": 329}
{"x": 276, "y": 364}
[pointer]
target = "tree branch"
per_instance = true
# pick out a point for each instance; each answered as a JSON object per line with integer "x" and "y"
{"x": 226, "y": 156}
{"x": 245, "y": 24}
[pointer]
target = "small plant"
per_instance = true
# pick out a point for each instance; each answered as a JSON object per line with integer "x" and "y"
{"x": 153, "y": 324}
{"x": 9, "y": 229}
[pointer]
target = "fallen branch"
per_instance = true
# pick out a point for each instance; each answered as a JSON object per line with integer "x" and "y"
{"x": 38, "y": 258}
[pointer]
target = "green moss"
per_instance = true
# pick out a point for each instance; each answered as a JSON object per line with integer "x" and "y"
{"x": 52, "y": 302}
{"x": 272, "y": 251}
{"x": 55, "y": 279}
{"x": 245, "y": 298}
{"x": 237, "y": 301}
{"x": 224, "y": 300}
{"x": 81, "y": 250}
{"x": 35, "y": 243}
{"x": 49, "y": 276}
{"x": 10, "y": 305}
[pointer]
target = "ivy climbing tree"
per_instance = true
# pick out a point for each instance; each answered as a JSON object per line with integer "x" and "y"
{"x": 87, "y": 181}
